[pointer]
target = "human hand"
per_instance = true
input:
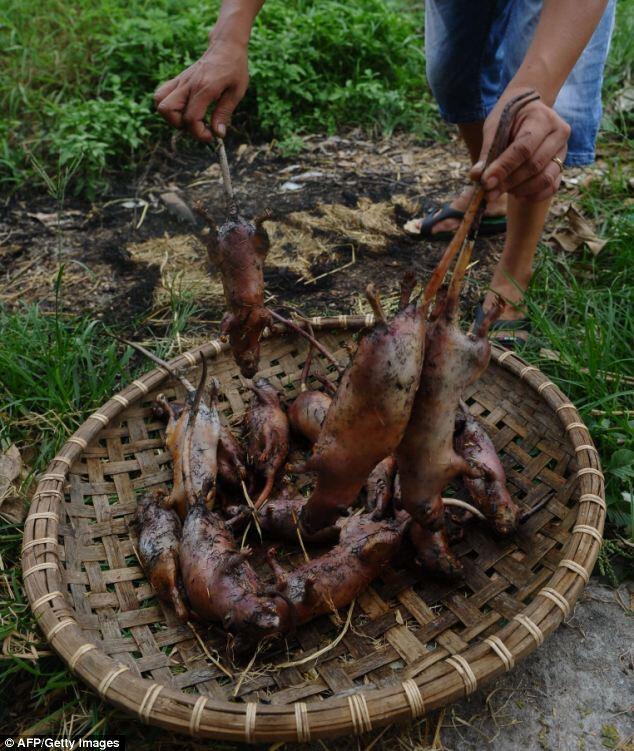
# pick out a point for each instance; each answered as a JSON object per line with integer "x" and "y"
{"x": 221, "y": 75}
{"x": 526, "y": 168}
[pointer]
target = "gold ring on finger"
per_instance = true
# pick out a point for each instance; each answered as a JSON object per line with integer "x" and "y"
{"x": 558, "y": 162}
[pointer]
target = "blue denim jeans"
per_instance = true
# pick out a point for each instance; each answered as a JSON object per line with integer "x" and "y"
{"x": 474, "y": 49}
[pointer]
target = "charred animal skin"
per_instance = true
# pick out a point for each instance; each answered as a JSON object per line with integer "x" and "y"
{"x": 231, "y": 458}
{"x": 307, "y": 413}
{"x": 427, "y": 459}
{"x": 194, "y": 450}
{"x": 368, "y": 415}
{"x": 279, "y": 519}
{"x": 238, "y": 248}
{"x": 220, "y": 583}
{"x": 231, "y": 469}
{"x": 267, "y": 434}
{"x": 334, "y": 579}
{"x": 159, "y": 531}
{"x": 380, "y": 487}
{"x": 489, "y": 492}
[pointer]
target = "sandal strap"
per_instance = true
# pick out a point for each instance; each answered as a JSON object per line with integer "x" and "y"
{"x": 436, "y": 216}
{"x": 502, "y": 324}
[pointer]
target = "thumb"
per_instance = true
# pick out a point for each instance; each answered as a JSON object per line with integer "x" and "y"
{"x": 475, "y": 173}
{"x": 221, "y": 118}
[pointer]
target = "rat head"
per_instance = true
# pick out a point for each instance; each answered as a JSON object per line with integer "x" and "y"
{"x": 238, "y": 235}
{"x": 253, "y": 616}
{"x": 506, "y": 513}
{"x": 374, "y": 541}
{"x": 146, "y": 505}
{"x": 248, "y": 360}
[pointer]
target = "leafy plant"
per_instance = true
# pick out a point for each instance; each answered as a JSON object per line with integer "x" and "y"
{"x": 85, "y": 76}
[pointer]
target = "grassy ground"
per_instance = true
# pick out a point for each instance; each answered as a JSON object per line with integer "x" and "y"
{"x": 54, "y": 371}
{"x": 580, "y": 307}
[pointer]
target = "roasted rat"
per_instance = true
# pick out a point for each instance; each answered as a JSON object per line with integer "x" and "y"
{"x": 220, "y": 583}
{"x": 369, "y": 413}
{"x": 191, "y": 437}
{"x": 488, "y": 492}
{"x": 427, "y": 460}
{"x": 267, "y": 435}
{"x": 159, "y": 531}
{"x": 238, "y": 248}
{"x": 334, "y": 579}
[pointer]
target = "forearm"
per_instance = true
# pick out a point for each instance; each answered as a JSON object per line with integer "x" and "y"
{"x": 563, "y": 30}
{"x": 235, "y": 21}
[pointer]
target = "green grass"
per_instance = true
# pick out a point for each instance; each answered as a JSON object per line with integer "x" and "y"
{"x": 86, "y": 71}
{"x": 581, "y": 308}
{"x": 52, "y": 373}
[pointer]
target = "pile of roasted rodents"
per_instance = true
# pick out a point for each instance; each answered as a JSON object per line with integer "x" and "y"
{"x": 381, "y": 442}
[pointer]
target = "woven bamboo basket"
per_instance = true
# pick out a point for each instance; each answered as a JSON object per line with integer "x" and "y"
{"x": 413, "y": 645}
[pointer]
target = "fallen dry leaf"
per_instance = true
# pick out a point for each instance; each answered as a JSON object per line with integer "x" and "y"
{"x": 58, "y": 220}
{"x": 575, "y": 231}
{"x": 11, "y": 471}
{"x": 176, "y": 206}
{"x": 624, "y": 99}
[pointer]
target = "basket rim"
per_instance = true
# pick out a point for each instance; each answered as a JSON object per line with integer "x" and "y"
{"x": 355, "y": 712}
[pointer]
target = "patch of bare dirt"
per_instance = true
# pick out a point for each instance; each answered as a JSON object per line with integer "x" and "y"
{"x": 338, "y": 212}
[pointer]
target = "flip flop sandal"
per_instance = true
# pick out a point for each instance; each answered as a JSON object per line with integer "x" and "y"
{"x": 490, "y": 225}
{"x": 505, "y": 331}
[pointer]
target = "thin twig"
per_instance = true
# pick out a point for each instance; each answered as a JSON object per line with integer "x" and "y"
{"x": 314, "y": 279}
{"x": 247, "y": 497}
{"x": 437, "y": 740}
{"x": 299, "y": 330}
{"x": 208, "y": 654}
{"x": 243, "y": 674}
{"x": 157, "y": 360}
{"x": 244, "y": 535}
{"x": 299, "y": 535}
{"x": 325, "y": 649}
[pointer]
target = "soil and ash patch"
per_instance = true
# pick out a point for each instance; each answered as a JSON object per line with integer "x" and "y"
{"x": 338, "y": 211}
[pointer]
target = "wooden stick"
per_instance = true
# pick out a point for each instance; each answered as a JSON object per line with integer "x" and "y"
{"x": 473, "y": 213}
{"x": 232, "y": 206}
{"x": 299, "y": 330}
{"x": 158, "y": 361}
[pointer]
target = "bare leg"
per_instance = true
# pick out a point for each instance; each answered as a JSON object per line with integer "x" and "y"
{"x": 513, "y": 272}
{"x": 472, "y": 136}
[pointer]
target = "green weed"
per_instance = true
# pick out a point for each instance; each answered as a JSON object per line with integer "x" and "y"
{"x": 85, "y": 76}
{"x": 580, "y": 307}
{"x": 53, "y": 372}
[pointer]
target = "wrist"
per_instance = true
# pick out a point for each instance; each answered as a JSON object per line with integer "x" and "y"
{"x": 536, "y": 74}
{"x": 232, "y": 29}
